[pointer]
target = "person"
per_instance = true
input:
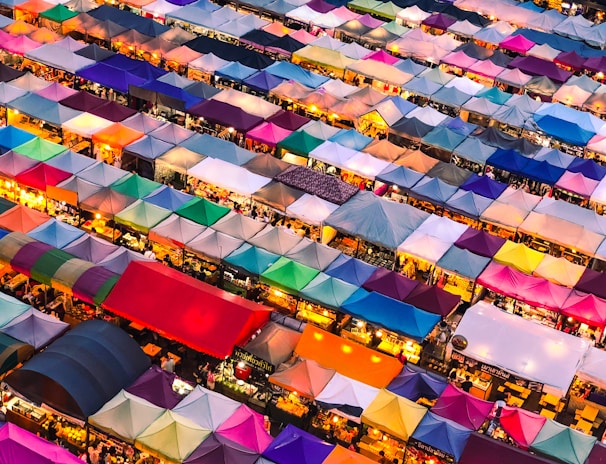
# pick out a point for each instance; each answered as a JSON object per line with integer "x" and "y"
{"x": 383, "y": 459}
{"x": 452, "y": 375}
{"x": 168, "y": 364}
{"x": 467, "y": 384}
{"x": 202, "y": 373}
{"x": 149, "y": 253}
{"x": 400, "y": 356}
{"x": 499, "y": 404}
{"x": 289, "y": 229}
{"x": 210, "y": 381}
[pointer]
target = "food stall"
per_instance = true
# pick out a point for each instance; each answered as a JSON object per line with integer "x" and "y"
{"x": 109, "y": 142}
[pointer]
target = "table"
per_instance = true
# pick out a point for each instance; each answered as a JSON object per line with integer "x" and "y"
{"x": 550, "y": 399}
{"x": 524, "y": 392}
{"x": 152, "y": 350}
{"x": 135, "y": 326}
{"x": 176, "y": 358}
{"x": 584, "y": 426}
{"x": 590, "y": 413}
{"x": 515, "y": 401}
{"x": 548, "y": 414}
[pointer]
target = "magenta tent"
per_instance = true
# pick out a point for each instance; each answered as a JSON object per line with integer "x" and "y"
{"x": 459, "y": 59}
{"x": 521, "y": 425}
{"x": 382, "y": 56}
{"x": 18, "y": 445}
{"x": 246, "y": 427}
{"x": 517, "y": 43}
{"x": 20, "y": 45}
{"x": 576, "y": 182}
{"x": 462, "y": 408}
{"x": 586, "y": 308}
{"x": 486, "y": 68}
{"x": 268, "y": 133}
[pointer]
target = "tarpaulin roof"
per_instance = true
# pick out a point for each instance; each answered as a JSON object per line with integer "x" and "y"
{"x": 225, "y": 115}
{"x": 479, "y": 446}
{"x": 394, "y": 414}
{"x": 518, "y": 256}
{"x": 390, "y": 283}
{"x": 294, "y": 446}
{"x": 175, "y": 231}
{"x": 433, "y": 190}
{"x": 328, "y": 291}
{"x": 592, "y": 282}
{"x": 246, "y": 427}
{"x": 41, "y": 176}
{"x": 277, "y": 195}
{"x": 313, "y": 254}
{"x": 125, "y": 416}
{"x": 327, "y": 187}
{"x": 206, "y": 408}
{"x": 56, "y": 233}
{"x": 168, "y": 198}
{"x": 274, "y": 344}
{"x": 22, "y": 219}
{"x": 202, "y": 211}
{"x": 11, "y": 308}
{"x": 145, "y": 289}
{"x": 306, "y": 377}
{"x": 442, "y": 434}
{"x": 66, "y": 374}
{"x": 349, "y": 397}
{"x": 587, "y": 308}
{"x": 350, "y": 270}
{"x": 275, "y": 240}
{"x": 214, "y": 147}
{"x": 413, "y": 384}
{"x": 141, "y": 215}
{"x": 12, "y": 163}
{"x": 563, "y": 443}
{"x": 433, "y": 299}
{"x": 463, "y": 262}
{"x": 560, "y": 270}
{"x": 521, "y": 425}
{"x": 155, "y": 385}
{"x": 11, "y": 137}
{"x": 118, "y": 260}
{"x": 117, "y": 135}
{"x": 480, "y": 242}
{"x": 39, "y": 149}
{"x": 213, "y": 245}
{"x": 217, "y": 448}
{"x": 35, "y": 328}
{"x": 462, "y": 408}
{"x": 289, "y": 275}
{"x": 238, "y": 226}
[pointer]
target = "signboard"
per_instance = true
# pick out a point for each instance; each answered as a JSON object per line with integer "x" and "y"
{"x": 252, "y": 360}
{"x": 430, "y": 450}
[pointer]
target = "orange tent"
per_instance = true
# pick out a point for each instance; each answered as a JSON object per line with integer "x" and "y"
{"x": 340, "y": 455}
{"x": 22, "y": 219}
{"x": 117, "y": 135}
{"x": 306, "y": 377}
{"x": 348, "y": 358}
{"x": 34, "y": 7}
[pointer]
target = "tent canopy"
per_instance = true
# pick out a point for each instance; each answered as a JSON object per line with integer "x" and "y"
{"x": 442, "y": 434}
{"x": 462, "y": 408}
{"x": 294, "y": 446}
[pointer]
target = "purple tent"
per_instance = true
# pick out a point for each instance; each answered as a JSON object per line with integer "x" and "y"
{"x": 12, "y": 163}
{"x": 27, "y": 256}
{"x": 462, "y": 408}
{"x": 571, "y": 59}
{"x": 226, "y": 115}
{"x": 156, "y": 386}
{"x": 539, "y": 67}
{"x": 596, "y": 64}
{"x": 216, "y": 449}
{"x": 592, "y": 282}
{"x": 294, "y": 446}
{"x": 35, "y": 328}
{"x": 288, "y": 120}
{"x": 485, "y": 186}
{"x": 94, "y": 285}
{"x": 433, "y": 299}
{"x": 478, "y": 447}
{"x": 589, "y": 168}
{"x": 83, "y": 101}
{"x": 113, "y": 111}
{"x": 414, "y": 384}
{"x": 597, "y": 455}
{"x": 370, "y": 21}
{"x": 247, "y": 428}
{"x": 18, "y": 445}
{"x": 320, "y": 6}
{"x": 262, "y": 81}
{"x": 390, "y": 283}
{"x": 111, "y": 77}
{"x": 480, "y": 242}
{"x": 329, "y": 188}
{"x": 439, "y": 21}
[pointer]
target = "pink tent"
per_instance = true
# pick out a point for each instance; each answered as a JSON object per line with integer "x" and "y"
{"x": 576, "y": 182}
{"x": 521, "y": 425}
{"x": 20, "y": 45}
{"x": 517, "y": 43}
{"x": 246, "y": 427}
{"x": 486, "y": 68}
{"x": 462, "y": 408}
{"x": 268, "y": 133}
{"x": 585, "y": 307}
{"x": 18, "y": 445}
{"x": 459, "y": 59}
{"x": 382, "y": 56}
{"x": 503, "y": 279}
{"x": 545, "y": 294}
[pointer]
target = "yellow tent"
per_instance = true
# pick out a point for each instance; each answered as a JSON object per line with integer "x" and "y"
{"x": 519, "y": 256}
{"x": 393, "y": 414}
{"x": 330, "y": 60}
{"x": 559, "y": 270}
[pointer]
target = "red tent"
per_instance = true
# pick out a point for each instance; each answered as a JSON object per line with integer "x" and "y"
{"x": 42, "y": 175}
{"x": 182, "y": 308}
{"x": 521, "y": 425}
{"x": 22, "y": 219}
{"x": 463, "y": 408}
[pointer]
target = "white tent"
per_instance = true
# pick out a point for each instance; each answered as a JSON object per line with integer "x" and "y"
{"x": 545, "y": 52}
{"x": 332, "y": 153}
{"x": 380, "y": 71}
{"x": 86, "y": 124}
{"x": 249, "y": 103}
{"x": 524, "y": 348}
{"x": 365, "y": 165}
{"x": 427, "y": 115}
{"x": 311, "y": 209}
{"x": 412, "y": 15}
{"x": 424, "y": 246}
{"x": 443, "y": 228}
{"x": 466, "y": 85}
{"x": 228, "y": 176}
{"x": 593, "y": 367}
{"x": 238, "y": 226}
{"x": 59, "y": 58}
{"x": 338, "y": 88}
{"x": 214, "y": 245}
{"x": 206, "y": 408}
{"x": 341, "y": 390}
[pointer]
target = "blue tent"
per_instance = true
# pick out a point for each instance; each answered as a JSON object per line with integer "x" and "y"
{"x": 252, "y": 259}
{"x": 411, "y": 128}
{"x": 294, "y": 446}
{"x": 214, "y": 147}
{"x": 588, "y": 168}
{"x": 414, "y": 384}
{"x": 468, "y": 203}
{"x": 495, "y": 95}
{"x": 3, "y": 232}
{"x": 139, "y": 68}
{"x": 387, "y": 312}
{"x": 148, "y": 148}
{"x": 11, "y": 137}
{"x": 543, "y": 171}
{"x": 531, "y": 6}
{"x": 44, "y": 109}
{"x": 444, "y": 138}
{"x": 442, "y": 434}
{"x": 82, "y": 370}
{"x": 433, "y": 190}
{"x": 129, "y": 20}
{"x": 411, "y": 67}
{"x": 463, "y": 262}
{"x": 401, "y": 176}
{"x": 450, "y": 96}
{"x": 567, "y": 124}
{"x": 508, "y": 160}
{"x": 485, "y": 186}
{"x": 422, "y": 86}
{"x": 459, "y": 126}
{"x": 235, "y": 71}
{"x": 474, "y": 150}
{"x": 71, "y": 162}
{"x": 165, "y": 94}
{"x": 376, "y": 220}
{"x": 262, "y": 81}
{"x": 168, "y": 198}
{"x": 555, "y": 157}
{"x": 351, "y": 138}
{"x": 10, "y": 308}
{"x": 56, "y": 233}
{"x": 328, "y": 291}
{"x": 111, "y": 77}
{"x": 350, "y": 270}
{"x": 290, "y": 71}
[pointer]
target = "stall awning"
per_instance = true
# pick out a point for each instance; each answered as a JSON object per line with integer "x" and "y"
{"x": 204, "y": 318}
{"x": 394, "y": 414}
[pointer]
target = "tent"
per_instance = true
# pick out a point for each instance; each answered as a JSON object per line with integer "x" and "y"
{"x": 350, "y": 270}
{"x": 141, "y": 216}
{"x": 155, "y": 386}
{"x": 175, "y": 231}
{"x": 518, "y": 256}
{"x": 206, "y": 408}
{"x": 521, "y": 425}
{"x": 390, "y": 283}
{"x": 563, "y": 443}
{"x": 171, "y": 437}
{"x": 19, "y": 445}
{"x": 479, "y": 446}
{"x": 306, "y": 377}
{"x": 462, "y": 408}
{"x": 216, "y": 448}
{"x": 585, "y": 307}
{"x": 213, "y": 245}
{"x": 101, "y": 174}
{"x": 60, "y": 378}
{"x": 118, "y": 260}
{"x": 56, "y": 233}
{"x": 294, "y": 446}
{"x": 275, "y": 240}
{"x": 11, "y": 308}
{"x": 539, "y": 354}
{"x": 328, "y": 291}
{"x": 34, "y": 328}
{"x": 480, "y": 242}
{"x": 71, "y": 162}
{"x": 40, "y": 149}
{"x": 228, "y": 176}
{"x": 125, "y": 416}
{"x": 168, "y": 198}
{"x": 144, "y": 300}
{"x": 442, "y": 434}
{"x": 393, "y": 414}
{"x": 277, "y": 195}
{"x": 274, "y": 344}
{"x": 310, "y": 209}
{"x": 246, "y": 428}
{"x": 288, "y": 275}
{"x": 251, "y": 259}
{"x": 592, "y": 282}
{"x": 215, "y": 147}
{"x": 485, "y": 186}
{"x": 22, "y": 219}
{"x": 12, "y": 164}
{"x": 331, "y": 351}
{"x": 106, "y": 202}
{"x": 312, "y": 254}
{"x": 413, "y": 383}
{"x": 399, "y": 175}
{"x": 463, "y": 262}
{"x": 347, "y": 396}
{"x": 433, "y": 299}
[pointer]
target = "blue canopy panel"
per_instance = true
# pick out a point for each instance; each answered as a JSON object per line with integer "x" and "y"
{"x": 166, "y": 94}
{"x": 463, "y": 262}
{"x": 567, "y": 131}
{"x": 290, "y": 71}
{"x": 485, "y": 186}
{"x": 168, "y": 198}
{"x": 329, "y": 291}
{"x": 11, "y": 137}
{"x": 351, "y": 138}
{"x": 262, "y": 81}
{"x": 235, "y": 71}
{"x": 351, "y": 270}
{"x": 111, "y": 77}
{"x": 442, "y": 434}
{"x": 129, "y": 20}
{"x": 414, "y": 384}
{"x": 433, "y": 190}
{"x": 543, "y": 171}
{"x": 401, "y": 176}
{"x": 139, "y": 68}
{"x": 82, "y": 370}
{"x": 469, "y": 204}
{"x": 387, "y": 312}
{"x": 508, "y": 160}
{"x": 444, "y": 138}
{"x": 588, "y": 168}
{"x": 251, "y": 259}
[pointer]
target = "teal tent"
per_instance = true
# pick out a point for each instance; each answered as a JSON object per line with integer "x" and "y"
{"x": 251, "y": 259}
{"x": 563, "y": 443}
{"x": 328, "y": 291}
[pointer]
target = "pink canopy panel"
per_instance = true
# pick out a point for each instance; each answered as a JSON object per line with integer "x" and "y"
{"x": 382, "y": 56}
{"x": 462, "y": 408}
{"x": 521, "y": 425}
{"x": 20, "y": 45}
{"x": 576, "y": 182}
{"x": 268, "y": 133}
{"x": 246, "y": 427}
{"x": 459, "y": 59}
{"x": 486, "y": 68}
{"x": 517, "y": 43}
{"x": 586, "y": 308}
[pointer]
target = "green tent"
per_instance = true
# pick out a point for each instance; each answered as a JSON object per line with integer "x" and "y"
{"x": 364, "y": 6}
{"x": 135, "y": 186}
{"x": 202, "y": 211}
{"x": 563, "y": 443}
{"x": 328, "y": 291}
{"x": 300, "y": 143}
{"x": 47, "y": 265}
{"x": 13, "y": 352}
{"x": 288, "y": 275}
{"x": 252, "y": 259}
{"x": 386, "y": 10}
{"x": 39, "y": 149}
{"x": 142, "y": 216}
{"x": 10, "y": 308}
{"x": 58, "y": 14}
